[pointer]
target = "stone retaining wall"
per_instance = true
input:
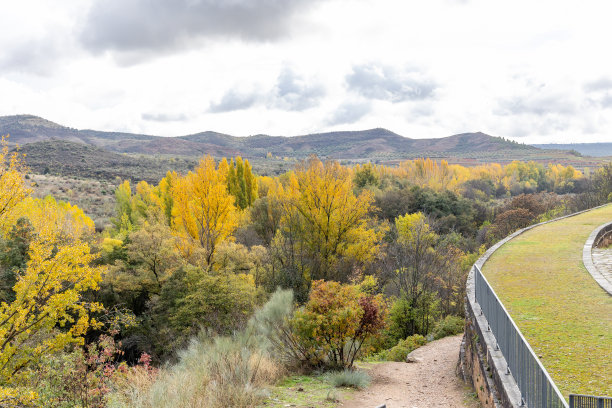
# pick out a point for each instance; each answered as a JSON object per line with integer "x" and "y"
{"x": 597, "y": 236}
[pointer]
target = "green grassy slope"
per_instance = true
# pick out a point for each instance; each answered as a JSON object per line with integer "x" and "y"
{"x": 564, "y": 314}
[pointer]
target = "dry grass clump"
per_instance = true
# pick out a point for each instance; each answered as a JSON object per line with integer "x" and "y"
{"x": 211, "y": 372}
{"x": 349, "y": 378}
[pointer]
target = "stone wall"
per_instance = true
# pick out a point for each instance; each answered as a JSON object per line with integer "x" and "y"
{"x": 599, "y": 237}
{"x": 474, "y": 369}
{"x": 603, "y": 236}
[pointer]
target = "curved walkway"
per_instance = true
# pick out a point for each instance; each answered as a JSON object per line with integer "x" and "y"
{"x": 429, "y": 383}
{"x": 563, "y": 313}
{"x": 602, "y": 259}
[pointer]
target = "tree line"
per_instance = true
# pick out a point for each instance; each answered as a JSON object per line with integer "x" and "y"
{"x": 370, "y": 257}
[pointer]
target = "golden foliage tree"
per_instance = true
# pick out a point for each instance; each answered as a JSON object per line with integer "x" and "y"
{"x": 327, "y": 224}
{"x": 48, "y": 311}
{"x": 47, "y": 296}
{"x": 203, "y": 210}
{"x": 13, "y": 187}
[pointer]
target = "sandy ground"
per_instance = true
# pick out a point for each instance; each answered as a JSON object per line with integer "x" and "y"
{"x": 429, "y": 383}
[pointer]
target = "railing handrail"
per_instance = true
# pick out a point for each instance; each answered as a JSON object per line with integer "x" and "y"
{"x": 479, "y": 277}
{"x": 584, "y": 401}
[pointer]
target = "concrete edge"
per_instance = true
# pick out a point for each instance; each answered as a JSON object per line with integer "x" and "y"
{"x": 587, "y": 257}
{"x": 506, "y": 386}
{"x": 509, "y": 392}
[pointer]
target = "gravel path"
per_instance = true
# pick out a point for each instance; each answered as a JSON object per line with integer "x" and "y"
{"x": 429, "y": 383}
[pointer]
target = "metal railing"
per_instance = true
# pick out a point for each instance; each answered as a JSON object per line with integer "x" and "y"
{"x": 587, "y": 401}
{"x": 537, "y": 388}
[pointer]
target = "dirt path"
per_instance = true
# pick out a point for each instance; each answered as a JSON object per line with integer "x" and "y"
{"x": 429, "y": 383}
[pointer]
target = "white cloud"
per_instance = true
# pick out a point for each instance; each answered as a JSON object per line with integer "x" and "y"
{"x": 531, "y": 70}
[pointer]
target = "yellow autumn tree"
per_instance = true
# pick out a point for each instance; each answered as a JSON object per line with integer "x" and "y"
{"x": 327, "y": 223}
{"x": 48, "y": 311}
{"x": 13, "y": 187}
{"x": 56, "y": 220}
{"x": 203, "y": 210}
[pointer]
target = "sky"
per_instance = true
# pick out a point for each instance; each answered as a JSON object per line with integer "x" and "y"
{"x": 531, "y": 71}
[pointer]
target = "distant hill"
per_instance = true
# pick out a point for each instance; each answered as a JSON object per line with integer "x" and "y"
{"x": 586, "y": 149}
{"x": 367, "y": 144}
{"x": 67, "y": 158}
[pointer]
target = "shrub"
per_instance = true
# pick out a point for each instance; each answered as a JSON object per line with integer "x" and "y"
{"x": 215, "y": 373}
{"x": 81, "y": 378}
{"x": 403, "y": 347}
{"x": 194, "y": 299}
{"x": 335, "y": 322}
{"x": 349, "y": 378}
{"x": 449, "y": 326}
{"x": 272, "y": 324}
{"x": 400, "y": 316}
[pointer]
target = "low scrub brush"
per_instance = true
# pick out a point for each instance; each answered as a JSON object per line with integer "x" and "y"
{"x": 349, "y": 378}
{"x": 403, "y": 347}
{"x": 449, "y": 326}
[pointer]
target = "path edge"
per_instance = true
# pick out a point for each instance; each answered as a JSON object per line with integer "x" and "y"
{"x": 587, "y": 256}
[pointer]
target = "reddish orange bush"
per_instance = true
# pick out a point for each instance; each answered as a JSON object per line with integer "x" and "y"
{"x": 336, "y": 321}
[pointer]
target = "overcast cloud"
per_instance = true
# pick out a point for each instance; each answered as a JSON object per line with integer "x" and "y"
{"x": 389, "y": 83}
{"x": 293, "y": 92}
{"x": 290, "y": 67}
{"x": 349, "y": 112}
{"x": 164, "y": 117}
{"x": 234, "y": 100}
{"x": 163, "y": 25}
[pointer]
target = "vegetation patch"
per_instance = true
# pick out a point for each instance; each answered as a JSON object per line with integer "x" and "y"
{"x": 561, "y": 310}
{"x": 303, "y": 391}
{"x": 449, "y": 326}
{"x": 349, "y": 378}
{"x": 403, "y": 347}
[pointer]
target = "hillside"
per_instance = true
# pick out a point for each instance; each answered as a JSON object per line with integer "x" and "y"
{"x": 67, "y": 158}
{"x": 367, "y": 144}
{"x": 586, "y": 149}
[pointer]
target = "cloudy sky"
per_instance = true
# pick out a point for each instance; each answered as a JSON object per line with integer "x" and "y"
{"x": 534, "y": 71}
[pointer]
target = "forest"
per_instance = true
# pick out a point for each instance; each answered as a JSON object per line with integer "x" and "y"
{"x": 212, "y": 285}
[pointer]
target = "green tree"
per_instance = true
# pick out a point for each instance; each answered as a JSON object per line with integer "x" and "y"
{"x": 416, "y": 263}
{"x": 193, "y": 299}
{"x": 365, "y": 176}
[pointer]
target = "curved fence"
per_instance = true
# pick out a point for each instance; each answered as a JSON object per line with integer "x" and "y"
{"x": 587, "y": 401}
{"x": 536, "y": 387}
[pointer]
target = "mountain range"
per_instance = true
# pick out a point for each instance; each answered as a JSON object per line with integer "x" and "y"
{"x": 56, "y": 149}
{"x": 366, "y": 144}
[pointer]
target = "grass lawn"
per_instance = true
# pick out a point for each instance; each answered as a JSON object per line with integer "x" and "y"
{"x": 564, "y": 314}
{"x": 304, "y": 391}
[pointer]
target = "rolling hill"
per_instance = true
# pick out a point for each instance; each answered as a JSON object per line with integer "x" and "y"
{"x": 367, "y": 144}
{"x": 58, "y": 150}
{"x": 586, "y": 149}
